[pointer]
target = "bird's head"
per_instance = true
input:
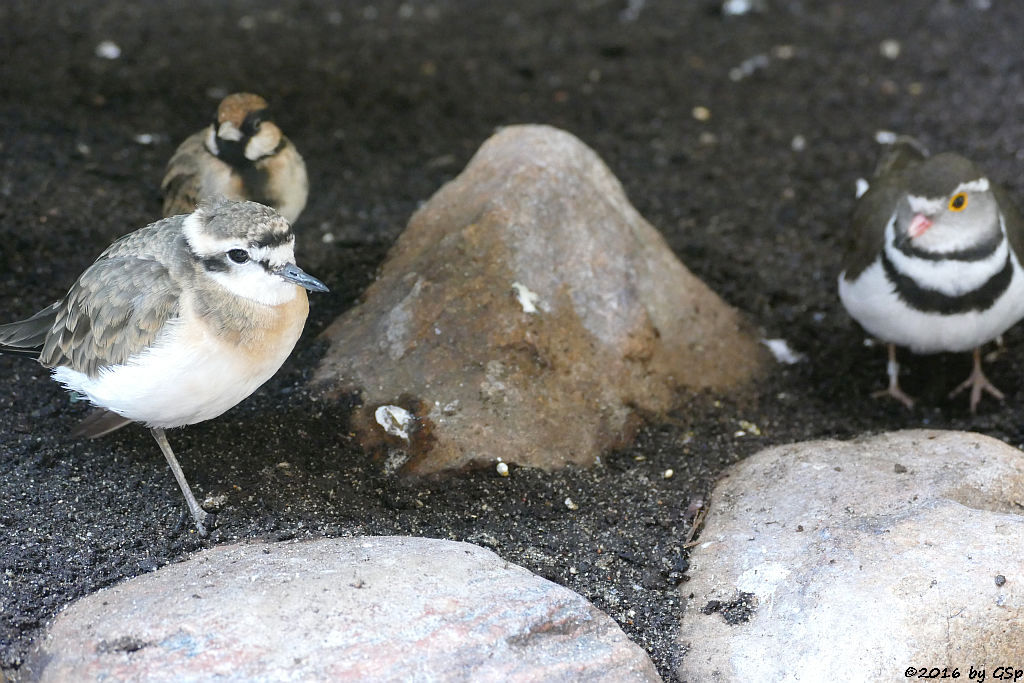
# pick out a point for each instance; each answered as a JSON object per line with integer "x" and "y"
{"x": 249, "y": 249}
{"x": 949, "y": 206}
{"x": 243, "y": 131}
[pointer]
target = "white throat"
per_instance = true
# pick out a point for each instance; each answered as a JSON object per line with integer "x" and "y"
{"x": 251, "y": 281}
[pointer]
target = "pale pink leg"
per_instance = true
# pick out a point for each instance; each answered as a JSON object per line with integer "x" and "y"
{"x": 978, "y": 383}
{"x": 893, "y": 368}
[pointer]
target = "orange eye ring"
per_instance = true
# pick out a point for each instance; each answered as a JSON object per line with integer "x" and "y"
{"x": 958, "y": 202}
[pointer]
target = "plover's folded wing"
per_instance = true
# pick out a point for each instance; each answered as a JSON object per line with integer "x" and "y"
{"x": 1012, "y": 220}
{"x": 867, "y": 227}
{"x": 903, "y": 152}
{"x": 115, "y": 310}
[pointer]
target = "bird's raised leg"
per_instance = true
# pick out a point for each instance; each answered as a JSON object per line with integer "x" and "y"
{"x": 198, "y": 513}
{"x": 978, "y": 383}
{"x": 893, "y": 369}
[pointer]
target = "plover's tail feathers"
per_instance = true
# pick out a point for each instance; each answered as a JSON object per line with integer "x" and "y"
{"x": 902, "y": 151}
{"x": 26, "y": 337}
{"x": 99, "y": 423}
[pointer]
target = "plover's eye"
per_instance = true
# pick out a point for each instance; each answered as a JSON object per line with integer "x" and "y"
{"x": 958, "y": 202}
{"x": 238, "y": 255}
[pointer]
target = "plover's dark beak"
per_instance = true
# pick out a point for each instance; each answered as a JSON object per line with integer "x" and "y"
{"x": 292, "y": 273}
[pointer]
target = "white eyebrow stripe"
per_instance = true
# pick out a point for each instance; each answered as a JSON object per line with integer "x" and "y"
{"x": 924, "y": 205}
{"x": 275, "y": 256}
{"x": 228, "y": 131}
{"x": 979, "y": 185}
{"x": 201, "y": 242}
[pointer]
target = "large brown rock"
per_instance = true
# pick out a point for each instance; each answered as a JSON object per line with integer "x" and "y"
{"x": 527, "y": 314}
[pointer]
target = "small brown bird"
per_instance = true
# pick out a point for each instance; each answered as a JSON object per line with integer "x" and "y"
{"x": 176, "y": 322}
{"x": 242, "y": 155}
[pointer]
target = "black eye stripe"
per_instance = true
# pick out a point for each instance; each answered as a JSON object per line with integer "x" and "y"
{"x": 214, "y": 265}
{"x": 253, "y": 119}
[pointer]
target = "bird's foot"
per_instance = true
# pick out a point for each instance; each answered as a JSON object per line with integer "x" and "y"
{"x": 200, "y": 516}
{"x": 895, "y": 392}
{"x": 978, "y": 383}
{"x": 203, "y": 523}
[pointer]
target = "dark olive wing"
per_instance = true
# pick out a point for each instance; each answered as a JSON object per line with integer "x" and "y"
{"x": 1012, "y": 220}
{"x": 901, "y": 155}
{"x": 867, "y": 226}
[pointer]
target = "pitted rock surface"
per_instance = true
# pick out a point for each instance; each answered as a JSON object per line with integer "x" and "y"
{"x": 528, "y": 313}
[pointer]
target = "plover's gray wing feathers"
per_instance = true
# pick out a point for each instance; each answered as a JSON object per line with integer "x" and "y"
{"x": 89, "y": 334}
{"x": 181, "y": 185}
{"x": 26, "y": 337}
{"x": 118, "y": 305}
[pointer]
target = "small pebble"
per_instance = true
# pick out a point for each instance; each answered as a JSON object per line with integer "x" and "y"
{"x": 701, "y": 113}
{"x": 783, "y": 352}
{"x": 144, "y": 138}
{"x": 215, "y": 503}
{"x": 783, "y": 52}
{"x": 569, "y": 503}
{"x": 502, "y": 469}
{"x": 1000, "y": 579}
{"x": 886, "y": 137}
{"x": 798, "y": 143}
{"x": 748, "y": 67}
{"x": 667, "y": 474}
{"x": 750, "y": 427}
{"x": 737, "y": 8}
{"x": 108, "y": 49}
{"x": 395, "y": 420}
{"x": 890, "y": 49}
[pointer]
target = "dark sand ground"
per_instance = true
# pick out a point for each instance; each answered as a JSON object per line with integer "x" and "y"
{"x": 387, "y": 101}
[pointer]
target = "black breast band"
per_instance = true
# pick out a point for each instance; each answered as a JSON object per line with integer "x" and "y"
{"x": 933, "y": 301}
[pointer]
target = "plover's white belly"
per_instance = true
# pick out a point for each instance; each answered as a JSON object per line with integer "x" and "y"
{"x": 183, "y": 378}
{"x": 872, "y": 301}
